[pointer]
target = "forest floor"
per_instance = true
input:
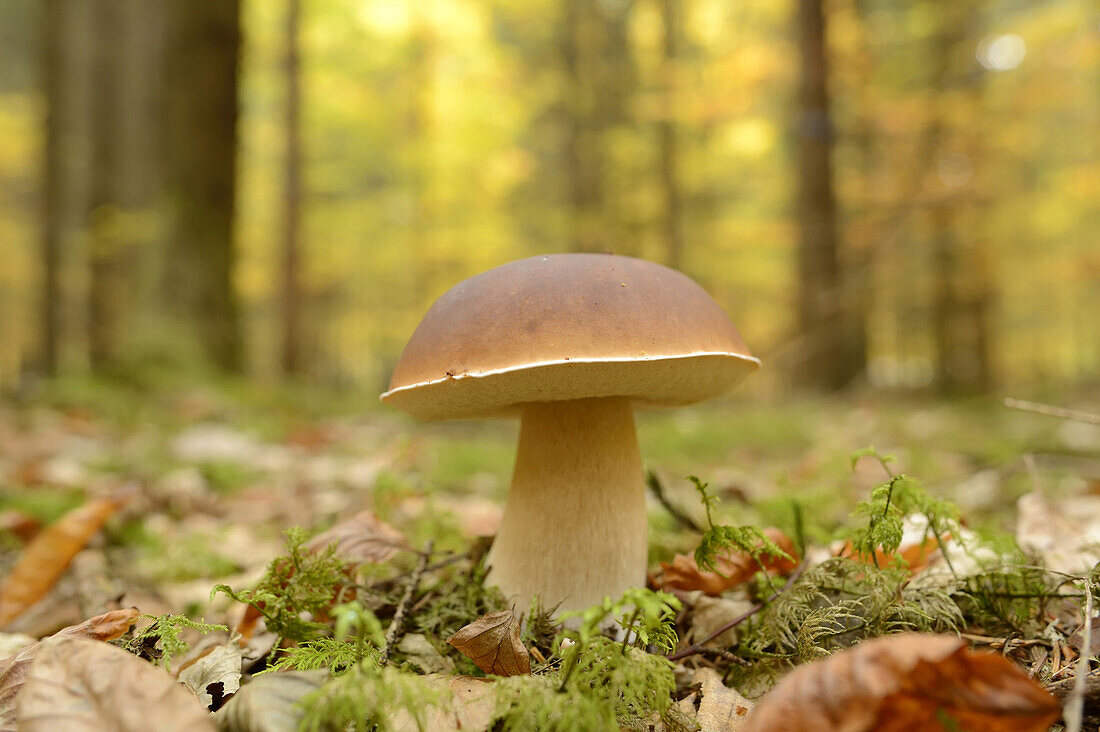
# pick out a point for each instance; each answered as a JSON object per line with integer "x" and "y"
{"x": 114, "y": 499}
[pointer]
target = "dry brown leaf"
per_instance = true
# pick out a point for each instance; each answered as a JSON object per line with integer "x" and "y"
{"x": 13, "y": 670}
{"x": 19, "y": 523}
{"x": 734, "y": 568}
{"x": 916, "y": 555}
{"x": 715, "y": 707}
{"x": 269, "y": 703}
{"x": 471, "y": 706}
{"x": 361, "y": 539}
{"x": 912, "y": 682}
{"x": 48, "y": 555}
{"x": 492, "y": 642}
{"x": 79, "y": 685}
{"x": 220, "y": 665}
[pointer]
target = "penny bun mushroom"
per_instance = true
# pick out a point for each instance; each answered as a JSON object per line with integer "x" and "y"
{"x": 570, "y": 343}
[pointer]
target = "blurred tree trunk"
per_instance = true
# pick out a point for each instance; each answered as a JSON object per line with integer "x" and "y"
{"x": 292, "y": 354}
{"x": 599, "y": 78}
{"x": 54, "y": 70}
{"x": 831, "y": 356}
{"x": 122, "y": 179}
{"x": 106, "y": 220}
{"x": 963, "y": 290}
{"x": 669, "y": 141}
{"x": 200, "y": 135}
{"x": 421, "y": 120}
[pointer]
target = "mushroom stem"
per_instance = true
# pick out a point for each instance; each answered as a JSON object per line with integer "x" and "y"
{"x": 574, "y": 527}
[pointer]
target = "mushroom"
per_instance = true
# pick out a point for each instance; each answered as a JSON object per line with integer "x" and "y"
{"x": 570, "y": 343}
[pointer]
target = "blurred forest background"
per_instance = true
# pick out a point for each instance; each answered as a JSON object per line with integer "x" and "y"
{"x": 886, "y": 192}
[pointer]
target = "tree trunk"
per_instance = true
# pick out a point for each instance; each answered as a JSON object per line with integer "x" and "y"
{"x": 292, "y": 353}
{"x": 53, "y": 198}
{"x": 963, "y": 290}
{"x": 106, "y": 220}
{"x": 669, "y": 141}
{"x": 599, "y": 79}
{"x": 200, "y": 106}
{"x": 829, "y": 358}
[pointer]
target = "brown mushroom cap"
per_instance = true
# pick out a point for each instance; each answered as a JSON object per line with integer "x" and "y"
{"x": 567, "y": 326}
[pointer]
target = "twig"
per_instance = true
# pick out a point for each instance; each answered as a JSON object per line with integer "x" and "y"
{"x": 447, "y": 561}
{"x": 402, "y": 607}
{"x": 700, "y": 646}
{"x": 677, "y": 513}
{"x": 1052, "y": 411}
{"x": 1075, "y": 705}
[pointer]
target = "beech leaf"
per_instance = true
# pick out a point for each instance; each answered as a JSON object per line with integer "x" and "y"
{"x": 269, "y": 703}
{"x": 492, "y": 642}
{"x": 734, "y": 568}
{"x": 49, "y": 553}
{"x": 471, "y": 705}
{"x": 13, "y": 670}
{"x": 363, "y": 538}
{"x": 219, "y": 665}
{"x": 913, "y": 682}
{"x": 79, "y": 685}
{"x": 715, "y": 707}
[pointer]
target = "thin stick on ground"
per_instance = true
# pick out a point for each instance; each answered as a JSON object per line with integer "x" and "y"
{"x": 700, "y": 647}
{"x": 675, "y": 511}
{"x": 1075, "y": 705}
{"x": 1051, "y": 411}
{"x": 403, "y": 606}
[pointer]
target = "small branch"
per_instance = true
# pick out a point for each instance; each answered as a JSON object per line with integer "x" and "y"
{"x": 382, "y": 584}
{"x": 1051, "y": 411}
{"x": 1075, "y": 704}
{"x": 677, "y": 513}
{"x": 403, "y": 606}
{"x": 700, "y": 647}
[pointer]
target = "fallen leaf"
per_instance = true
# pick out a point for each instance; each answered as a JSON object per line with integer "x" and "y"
{"x": 734, "y": 568}
{"x": 269, "y": 703}
{"x": 912, "y": 682}
{"x": 420, "y": 652}
{"x": 715, "y": 707}
{"x": 708, "y": 614}
{"x": 12, "y": 643}
{"x": 214, "y": 675}
{"x": 363, "y": 538}
{"x": 1066, "y": 535}
{"x": 19, "y": 523}
{"x": 79, "y": 685}
{"x": 492, "y": 642}
{"x": 917, "y": 548}
{"x": 48, "y": 555}
{"x": 471, "y": 706}
{"x": 13, "y": 670}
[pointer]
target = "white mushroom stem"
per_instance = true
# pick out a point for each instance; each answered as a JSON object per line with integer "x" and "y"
{"x": 574, "y": 527}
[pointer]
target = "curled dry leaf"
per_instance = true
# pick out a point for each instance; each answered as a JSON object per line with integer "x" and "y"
{"x": 734, "y": 568}
{"x": 363, "y": 538}
{"x": 492, "y": 642}
{"x": 912, "y": 682}
{"x": 269, "y": 703}
{"x": 715, "y": 707}
{"x": 214, "y": 675}
{"x": 13, "y": 670}
{"x": 80, "y": 685}
{"x": 49, "y": 553}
